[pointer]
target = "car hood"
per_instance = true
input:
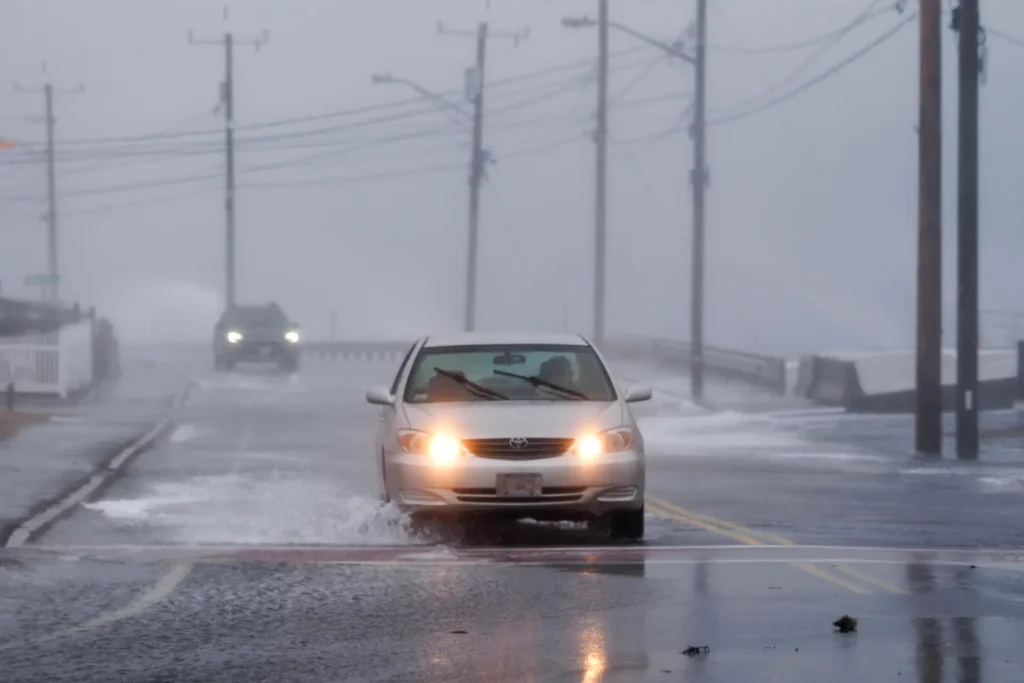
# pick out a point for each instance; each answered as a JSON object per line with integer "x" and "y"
{"x": 501, "y": 419}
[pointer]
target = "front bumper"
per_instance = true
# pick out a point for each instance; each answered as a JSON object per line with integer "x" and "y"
{"x": 570, "y": 489}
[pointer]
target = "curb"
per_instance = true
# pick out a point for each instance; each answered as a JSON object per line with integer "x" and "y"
{"x": 39, "y": 521}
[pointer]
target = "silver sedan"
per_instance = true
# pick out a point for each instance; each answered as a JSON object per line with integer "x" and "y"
{"x": 521, "y": 425}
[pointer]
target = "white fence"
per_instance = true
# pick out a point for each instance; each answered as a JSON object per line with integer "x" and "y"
{"x": 58, "y": 363}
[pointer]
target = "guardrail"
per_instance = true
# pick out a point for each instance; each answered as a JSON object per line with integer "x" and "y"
{"x": 356, "y": 350}
{"x": 766, "y": 372}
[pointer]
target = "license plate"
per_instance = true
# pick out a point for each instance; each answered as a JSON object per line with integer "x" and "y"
{"x": 266, "y": 350}
{"x": 518, "y": 485}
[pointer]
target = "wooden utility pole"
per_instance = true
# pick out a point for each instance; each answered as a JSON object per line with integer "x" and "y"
{"x": 928, "y": 432}
{"x": 227, "y": 101}
{"x": 51, "y": 289}
{"x": 699, "y": 181}
{"x": 475, "y": 86}
{"x": 600, "y": 196}
{"x": 967, "y": 21}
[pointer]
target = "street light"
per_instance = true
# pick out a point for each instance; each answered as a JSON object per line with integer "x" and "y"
{"x": 443, "y": 105}
{"x": 698, "y": 176}
{"x": 675, "y": 49}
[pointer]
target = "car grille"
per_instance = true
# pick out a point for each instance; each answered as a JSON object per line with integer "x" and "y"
{"x": 503, "y": 448}
{"x": 549, "y": 494}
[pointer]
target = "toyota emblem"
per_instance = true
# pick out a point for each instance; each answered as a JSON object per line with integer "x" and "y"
{"x": 518, "y": 442}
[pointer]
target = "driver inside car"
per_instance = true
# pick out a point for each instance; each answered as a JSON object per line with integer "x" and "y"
{"x": 557, "y": 370}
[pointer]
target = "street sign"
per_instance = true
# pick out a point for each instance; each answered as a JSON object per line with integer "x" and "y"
{"x": 41, "y": 280}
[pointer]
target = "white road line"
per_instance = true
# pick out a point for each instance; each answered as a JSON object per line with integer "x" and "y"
{"x": 20, "y": 536}
{"x": 156, "y": 593}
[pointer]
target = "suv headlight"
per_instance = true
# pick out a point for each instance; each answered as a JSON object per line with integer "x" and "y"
{"x": 292, "y": 336}
{"x": 234, "y": 336}
{"x": 442, "y": 449}
{"x": 617, "y": 440}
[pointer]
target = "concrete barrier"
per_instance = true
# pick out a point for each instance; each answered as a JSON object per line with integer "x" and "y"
{"x": 884, "y": 383}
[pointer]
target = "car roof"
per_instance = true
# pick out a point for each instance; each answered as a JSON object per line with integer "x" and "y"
{"x": 478, "y": 338}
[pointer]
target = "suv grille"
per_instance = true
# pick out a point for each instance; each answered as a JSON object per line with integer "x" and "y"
{"x": 505, "y": 450}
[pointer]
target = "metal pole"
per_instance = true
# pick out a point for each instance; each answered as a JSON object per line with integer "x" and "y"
{"x": 928, "y": 432}
{"x": 600, "y": 209}
{"x": 967, "y": 220}
{"x": 229, "y": 135}
{"x": 52, "y": 287}
{"x": 475, "y": 178}
{"x": 699, "y": 181}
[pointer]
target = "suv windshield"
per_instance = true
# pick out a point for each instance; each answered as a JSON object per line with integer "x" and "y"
{"x": 256, "y": 316}
{"x": 521, "y": 372}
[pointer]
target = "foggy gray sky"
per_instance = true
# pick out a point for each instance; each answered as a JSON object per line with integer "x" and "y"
{"x": 812, "y": 205}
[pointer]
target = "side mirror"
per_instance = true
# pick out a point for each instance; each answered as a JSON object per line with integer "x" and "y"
{"x": 379, "y": 396}
{"x": 638, "y": 393}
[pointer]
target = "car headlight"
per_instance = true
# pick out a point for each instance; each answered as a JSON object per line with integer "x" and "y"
{"x": 292, "y": 336}
{"x": 442, "y": 449}
{"x": 589, "y": 446}
{"x": 234, "y": 337}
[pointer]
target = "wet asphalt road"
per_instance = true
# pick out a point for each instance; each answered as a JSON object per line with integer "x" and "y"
{"x": 250, "y": 546}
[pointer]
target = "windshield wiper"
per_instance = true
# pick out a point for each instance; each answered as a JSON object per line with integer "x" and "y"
{"x": 536, "y": 381}
{"x": 473, "y": 387}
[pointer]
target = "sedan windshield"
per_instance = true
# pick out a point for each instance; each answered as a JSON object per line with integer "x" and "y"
{"x": 517, "y": 372}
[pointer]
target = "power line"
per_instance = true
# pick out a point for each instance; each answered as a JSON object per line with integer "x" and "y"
{"x": 546, "y": 145}
{"x": 793, "y": 75}
{"x": 347, "y": 180}
{"x": 344, "y": 113}
{"x": 1002, "y": 35}
{"x": 647, "y": 141}
{"x": 798, "y": 90}
{"x": 833, "y": 34}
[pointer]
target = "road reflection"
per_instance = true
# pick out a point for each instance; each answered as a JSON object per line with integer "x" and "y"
{"x": 931, "y": 632}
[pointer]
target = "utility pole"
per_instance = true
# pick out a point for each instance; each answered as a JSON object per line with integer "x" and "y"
{"x": 699, "y": 181}
{"x": 476, "y": 172}
{"x": 928, "y": 432}
{"x": 227, "y": 101}
{"x": 51, "y": 291}
{"x": 967, "y": 22}
{"x": 475, "y": 86}
{"x": 600, "y": 196}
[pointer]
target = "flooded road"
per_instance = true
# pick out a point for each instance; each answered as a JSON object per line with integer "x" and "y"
{"x": 250, "y": 545}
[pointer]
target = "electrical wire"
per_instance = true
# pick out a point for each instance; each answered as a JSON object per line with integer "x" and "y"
{"x": 832, "y": 42}
{"x": 1002, "y": 35}
{"x": 378, "y": 108}
{"x": 828, "y": 73}
{"x": 837, "y": 32}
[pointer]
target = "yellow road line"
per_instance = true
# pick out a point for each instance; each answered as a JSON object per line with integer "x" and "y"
{"x": 743, "y": 535}
{"x": 780, "y": 540}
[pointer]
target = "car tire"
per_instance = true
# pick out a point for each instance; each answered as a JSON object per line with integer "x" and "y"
{"x": 627, "y": 525}
{"x": 384, "y": 497}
